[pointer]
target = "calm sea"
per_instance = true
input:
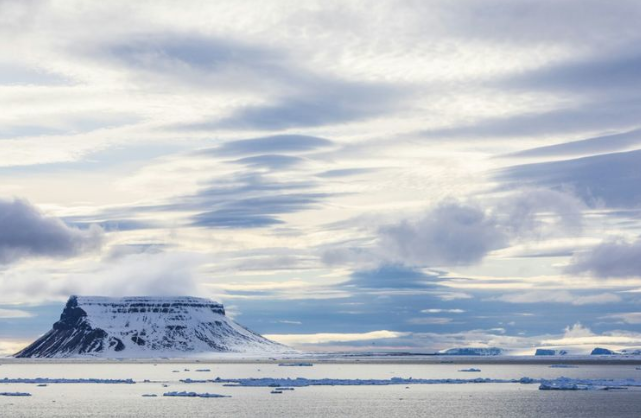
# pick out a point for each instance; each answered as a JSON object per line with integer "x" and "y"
{"x": 442, "y": 400}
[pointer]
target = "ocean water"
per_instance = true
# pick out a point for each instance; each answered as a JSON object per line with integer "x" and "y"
{"x": 438, "y": 400}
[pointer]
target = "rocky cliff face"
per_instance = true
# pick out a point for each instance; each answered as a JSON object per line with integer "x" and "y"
{"x": 145, "y": 327}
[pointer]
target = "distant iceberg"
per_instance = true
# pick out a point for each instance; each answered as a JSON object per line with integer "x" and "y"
{"x": 471, "y": 369}
{"x": 603, "y": 352}
{"x": 549, "y": 352}
{"x": 473, "y": 351}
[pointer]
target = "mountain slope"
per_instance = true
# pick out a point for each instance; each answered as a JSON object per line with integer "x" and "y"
{"x": 146, "y": 327}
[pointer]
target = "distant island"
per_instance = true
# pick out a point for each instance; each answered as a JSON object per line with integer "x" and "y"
{"x": 146, "y": 327}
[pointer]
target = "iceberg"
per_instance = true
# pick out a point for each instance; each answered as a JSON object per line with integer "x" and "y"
{"x": 603, "y": 352}
{"x": 471, "y": 369}
{"x": 472, "y": 351}
{"x": 563, "y": 366}
{"x": 548, "y": 352}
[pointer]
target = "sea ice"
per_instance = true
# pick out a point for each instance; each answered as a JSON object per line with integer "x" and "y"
{"x": 194, "y": 395}
{"x": 296, "y": 364}
{"x": 45, "y": 380}
{"x": 303, "y": 382}
{"x": 14, "y": 394}
{"x": 562, "y": 386}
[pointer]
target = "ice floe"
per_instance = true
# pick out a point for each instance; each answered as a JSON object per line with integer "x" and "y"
{"x": 14, "y": 394}
{"x": 296, "y": 364}
{"x": 194, "y": 395}
{"x": 46, "y": 380}
{"x": 576, "y": 386}
{"x": 304, "y": 382}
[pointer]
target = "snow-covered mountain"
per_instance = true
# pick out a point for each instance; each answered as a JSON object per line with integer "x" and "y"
{"x": 134, "y": 327}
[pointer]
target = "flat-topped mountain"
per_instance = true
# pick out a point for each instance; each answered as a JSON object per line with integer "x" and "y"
{"x": 134, "y": 327}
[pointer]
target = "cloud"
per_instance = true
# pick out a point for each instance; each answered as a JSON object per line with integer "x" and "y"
{"x": 14, "y": 313}
{"x": 346, "y": 172}
{"x": 463, "y": 233}
{"x": 9, "y": 347}
{"x": 271, "y": 161}
{"x": 539, "y": 213}
{"x": 429, "y": 321}
{"x": 391, "y": 276}
{"x": 237, "y": 200}
{"x": 627, "y": 317}
{"x": 610, "y": 259}
{"x": 270, "y": 145}
{"x": 27, "y": 232}
{"x": 322, "y": 338}
{"x": 133, "y": 274}
{"x": 451, "y": 234}
{"x": 559, "y": 296}
{"x": 255, "y": 212}
{"x": 604, "y": 73}
{"x": 141, "y": 274}
{"x": 296, "y": 96}
{"x": 604, "y": 115}
{"x": 577, "y": 335}
{"x": 609, "y": 179}
{"x": 326, "y": 104}
{"x": 596, "y": 145}
{"x": 178, "y": 52}
{"x": 442, "y": 311}
{"x": 598, "y": 90}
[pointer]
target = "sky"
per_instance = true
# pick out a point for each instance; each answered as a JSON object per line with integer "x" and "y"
{"x": 402, "y": 175}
